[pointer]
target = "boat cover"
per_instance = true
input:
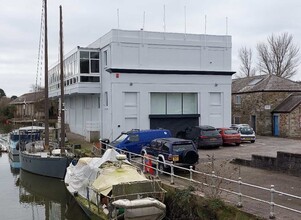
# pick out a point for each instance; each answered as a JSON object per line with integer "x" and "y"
{"x": 112, "y": 175}
{"x": 78, "y": 177}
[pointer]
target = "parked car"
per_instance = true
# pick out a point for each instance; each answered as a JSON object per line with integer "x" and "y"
{"x": 204, "y": 136}
{"x": 247, "y": 134}
{"x": 230, "y": 136}
{"x": 135, "y": 139}
{"x": 182, "y": 152}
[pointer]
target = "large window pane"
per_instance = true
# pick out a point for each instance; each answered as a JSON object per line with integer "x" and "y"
{"x": 174, "y": 103}
{"x": 84, "y": 66}
{"x": 94, "y": 55}
{"x": 190, "y": 103}
{"x": 84, "y": 55}
{"x": 94, "y": 66}
{"x": 158, "y": 103}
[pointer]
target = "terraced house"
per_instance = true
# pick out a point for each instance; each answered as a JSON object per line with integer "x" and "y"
{"x": 270, "y": 104}
{"x": 140, "y": 80}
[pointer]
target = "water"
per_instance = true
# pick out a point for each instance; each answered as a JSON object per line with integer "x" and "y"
{"x": 28, "y": 196}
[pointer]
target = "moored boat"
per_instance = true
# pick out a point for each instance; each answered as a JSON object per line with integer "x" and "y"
{"x": 43, "y": 158}
{"x": 111, "y": 188}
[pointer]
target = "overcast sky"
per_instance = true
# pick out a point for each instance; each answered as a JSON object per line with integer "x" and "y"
{"x": 249, "y": 22}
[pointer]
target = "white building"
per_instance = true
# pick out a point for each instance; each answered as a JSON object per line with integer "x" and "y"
{"x": 142, "y": 79}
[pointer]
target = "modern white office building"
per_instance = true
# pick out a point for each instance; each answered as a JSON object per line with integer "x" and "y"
{"x": 140, "y": 80}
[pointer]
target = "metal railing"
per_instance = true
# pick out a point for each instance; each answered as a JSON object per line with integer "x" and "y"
{"x": 213, "y": 183}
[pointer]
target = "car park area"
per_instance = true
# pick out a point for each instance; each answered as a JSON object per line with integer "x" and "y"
{"x": 264, "y": 145}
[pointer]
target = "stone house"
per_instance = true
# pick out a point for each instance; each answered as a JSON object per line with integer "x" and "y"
{"x": 30, "y": 106}
{"x": 270, "y": 104}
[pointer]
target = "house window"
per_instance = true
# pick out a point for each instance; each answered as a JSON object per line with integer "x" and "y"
{"x": 238, "y": 100}
{"x": 173, "y": 103}
{"x": 105, "y": 58}
{"x": 106, "y": 98}
{"x": 236, "y": 120}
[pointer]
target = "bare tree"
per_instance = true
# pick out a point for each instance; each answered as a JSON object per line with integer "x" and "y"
{"x": 245, "y": 56}
{"x": 279, "y": 56}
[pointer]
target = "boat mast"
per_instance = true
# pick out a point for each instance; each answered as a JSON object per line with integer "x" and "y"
{"x": 46, "y": 79}
{"x": 62, "y": 85}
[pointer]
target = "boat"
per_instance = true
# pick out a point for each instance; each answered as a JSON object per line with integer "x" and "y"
{"x": 110, "y": 187}
{"x": 43, "y": 157}
{"x": 3, "y": 143}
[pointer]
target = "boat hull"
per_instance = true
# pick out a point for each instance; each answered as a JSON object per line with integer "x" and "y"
{"x": 51, "y": 166}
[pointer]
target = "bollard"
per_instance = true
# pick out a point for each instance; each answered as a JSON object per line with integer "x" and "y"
{"x": 272, "y": 213}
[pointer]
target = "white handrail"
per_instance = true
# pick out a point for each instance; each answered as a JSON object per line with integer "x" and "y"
{"x": 213, "y": 176}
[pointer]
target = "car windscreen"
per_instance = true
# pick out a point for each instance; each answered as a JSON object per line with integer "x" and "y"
{"x": 211, "y": 132}
{"x": 230, "y": 131}
{"x": 121, "y": 138}
{"x": 177, "y": 148}
{"x": 246, "y": 130}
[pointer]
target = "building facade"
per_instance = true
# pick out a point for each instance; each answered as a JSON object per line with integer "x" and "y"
{"x": 263, "y": 102}
{"x": 139, "y": 80}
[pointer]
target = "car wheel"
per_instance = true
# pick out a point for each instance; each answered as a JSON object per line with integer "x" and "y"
{"x": 237, "y": 144}
{"x": 161, "y": 168}
{"x": 253, "y": 141}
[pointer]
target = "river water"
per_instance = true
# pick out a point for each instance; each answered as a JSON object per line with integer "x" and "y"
{"x": 27, "y": 196}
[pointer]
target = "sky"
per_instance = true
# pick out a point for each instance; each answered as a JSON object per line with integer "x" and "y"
{"x": 249, "y": 22}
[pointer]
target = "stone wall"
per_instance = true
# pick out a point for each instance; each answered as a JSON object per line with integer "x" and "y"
{"x": 260, "y": 105}
{"x": 285, "y": 162}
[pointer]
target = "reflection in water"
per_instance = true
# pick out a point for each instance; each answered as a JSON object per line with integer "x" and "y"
{"x": 51, "y": 193}
{"x": 26, "y": 196}
{"x": 43, "y": 191}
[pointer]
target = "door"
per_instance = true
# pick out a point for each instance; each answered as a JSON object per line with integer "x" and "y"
{"x": 276, "y": 125}
{"x": 253, "y": 122}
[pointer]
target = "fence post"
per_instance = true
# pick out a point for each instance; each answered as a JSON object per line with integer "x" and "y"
{"x": 143, "y": 164}
{"x": 157, "y": 167}
{"x": 239, "y": 204}
{"x": 171, "y": 174}
{"x": 272, "y": 213}
{"x": 130, "y": 156}
{"x": 190, "y": 170}
{"x": 213, "y": 183}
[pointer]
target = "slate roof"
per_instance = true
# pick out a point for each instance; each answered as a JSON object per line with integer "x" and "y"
{"x": 28, "y": 98}
{"x": 264, "y": 83}
{"x": 289, "y": 104}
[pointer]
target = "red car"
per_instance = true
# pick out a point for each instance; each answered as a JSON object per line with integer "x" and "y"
{"x": 230, "y": 136}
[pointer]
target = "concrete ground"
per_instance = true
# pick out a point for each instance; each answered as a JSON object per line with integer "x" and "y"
{"x": 262, "y": 178}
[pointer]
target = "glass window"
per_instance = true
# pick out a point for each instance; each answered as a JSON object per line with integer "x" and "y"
{"x": 134, "y": 138}
{"x": 84, "y": 66}
{"x": 94, "y": 55}
{"x": 94, "y": 66}
{"x": 158, "y": 103}
{"x": 174, "y": 103}
{"x": 238, "y": 99}
{"x": 84, "y": 55}
{"x": 105, "y": 58}
{"x": 190, "y": 103}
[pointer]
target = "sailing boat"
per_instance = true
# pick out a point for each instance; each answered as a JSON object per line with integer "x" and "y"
{"x": 50, "y": 161}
